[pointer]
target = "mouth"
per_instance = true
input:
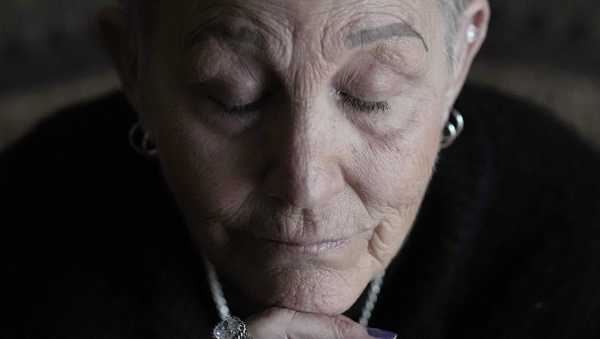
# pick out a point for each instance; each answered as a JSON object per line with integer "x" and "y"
{"x": 307, "y": 247}
{"x": 276, "y": 253}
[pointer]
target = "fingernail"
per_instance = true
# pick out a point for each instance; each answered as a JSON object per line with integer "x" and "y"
{"x": 381, "y": 334}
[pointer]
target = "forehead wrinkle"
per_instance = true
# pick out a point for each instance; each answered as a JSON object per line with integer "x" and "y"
{"x": 267, "y": 37}
{"x": 368, "y": 36}
{"x": 346, "y": 23}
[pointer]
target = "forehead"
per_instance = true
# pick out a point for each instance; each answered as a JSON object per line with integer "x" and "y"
{"x": 285, "y": 27}
{"x": 300, "y": 16}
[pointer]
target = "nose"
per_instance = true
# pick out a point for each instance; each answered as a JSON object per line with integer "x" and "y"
{"x": 306, "y": 172}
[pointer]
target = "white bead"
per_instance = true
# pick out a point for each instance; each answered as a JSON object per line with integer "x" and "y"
{"x": 471, "y": 33}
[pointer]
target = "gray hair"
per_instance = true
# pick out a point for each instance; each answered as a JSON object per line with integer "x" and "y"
{"x": 451, "y": 10}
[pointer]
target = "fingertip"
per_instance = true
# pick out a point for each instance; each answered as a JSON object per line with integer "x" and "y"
{"x": 381, "y": 334}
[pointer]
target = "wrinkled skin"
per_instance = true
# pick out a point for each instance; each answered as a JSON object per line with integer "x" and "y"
{"x": 264, "y": 192}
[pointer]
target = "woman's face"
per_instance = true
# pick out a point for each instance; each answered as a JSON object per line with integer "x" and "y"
{"x": 298, "y": 137}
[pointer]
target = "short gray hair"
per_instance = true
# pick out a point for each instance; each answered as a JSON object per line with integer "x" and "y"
{"x": 451, "y": 10}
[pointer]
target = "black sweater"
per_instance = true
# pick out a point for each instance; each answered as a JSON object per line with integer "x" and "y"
{"x": 506, "y": 244}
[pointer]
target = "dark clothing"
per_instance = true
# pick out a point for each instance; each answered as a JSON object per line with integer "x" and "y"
{"x": 506, "y": 245}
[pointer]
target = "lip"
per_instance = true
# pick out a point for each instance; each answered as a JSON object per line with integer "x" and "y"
{"x": 307, "y": 247}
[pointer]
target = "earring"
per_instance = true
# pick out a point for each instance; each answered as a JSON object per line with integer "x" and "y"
{"x": 454, "y": 127}
{"x": 141, "y": 142}
{"x": 472, "y": 33}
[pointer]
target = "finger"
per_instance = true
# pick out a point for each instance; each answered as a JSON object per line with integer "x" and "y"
{"x": 278, "y": 323}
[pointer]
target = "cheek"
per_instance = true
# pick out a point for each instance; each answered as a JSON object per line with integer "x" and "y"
{"x": 395, "y": 169}
{"x": 392, "y": 180}
{"x": 208, "y": 173}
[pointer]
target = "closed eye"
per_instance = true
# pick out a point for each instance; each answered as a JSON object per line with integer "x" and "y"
{"x": 245, "y": 109}
{"x": 362, "y": 106}
{"x": 242, "y": 109}
{"x": 355, "y": 104}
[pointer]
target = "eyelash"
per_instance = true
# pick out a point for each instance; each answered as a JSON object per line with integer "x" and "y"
{"x": 357, "y": 105}
{"x": 242, "y": 110}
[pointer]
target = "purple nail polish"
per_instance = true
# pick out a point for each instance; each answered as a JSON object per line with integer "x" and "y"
{"x": 381, "y": 334}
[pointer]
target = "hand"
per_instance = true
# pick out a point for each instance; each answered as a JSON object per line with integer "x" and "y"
{"x": 277, "y": 323}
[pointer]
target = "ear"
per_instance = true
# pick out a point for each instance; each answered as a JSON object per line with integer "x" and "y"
{"x": 117, "y": 39}
{"x": 472, "y": 29}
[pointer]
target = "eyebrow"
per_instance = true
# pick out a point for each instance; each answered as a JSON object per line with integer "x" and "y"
{"x": 368, "y": 36}
{"x": 244, "y": 35}
{"x": 357, "y": 39}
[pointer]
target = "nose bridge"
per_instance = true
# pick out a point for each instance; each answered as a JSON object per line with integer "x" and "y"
{"x": 307, "y": 172}
{"x": 307, "y": 145}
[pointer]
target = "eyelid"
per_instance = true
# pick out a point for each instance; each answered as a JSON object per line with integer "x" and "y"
{"x": 364, "y": 79}
{"x": 245, "y": 108}
{"x": 402, "y": 60}
{"x": 361, "y": 105}
{"x": 250, "y": 107}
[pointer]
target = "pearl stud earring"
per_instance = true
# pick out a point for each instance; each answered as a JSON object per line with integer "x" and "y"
{"x": 471, "y": 33}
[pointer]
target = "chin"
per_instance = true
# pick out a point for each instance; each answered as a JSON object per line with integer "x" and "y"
{"x": 306, "y": 289}
{"x": 322, "y": 279}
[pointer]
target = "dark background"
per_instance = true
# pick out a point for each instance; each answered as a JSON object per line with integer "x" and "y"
{"x": 546, "y": 50}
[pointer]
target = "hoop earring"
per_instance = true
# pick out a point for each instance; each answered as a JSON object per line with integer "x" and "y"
{"x": 453, "y": 129}
{"x": 141, "y": 142}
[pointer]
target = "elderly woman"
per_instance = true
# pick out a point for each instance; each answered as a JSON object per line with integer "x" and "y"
{"x": 303, "y": 175}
